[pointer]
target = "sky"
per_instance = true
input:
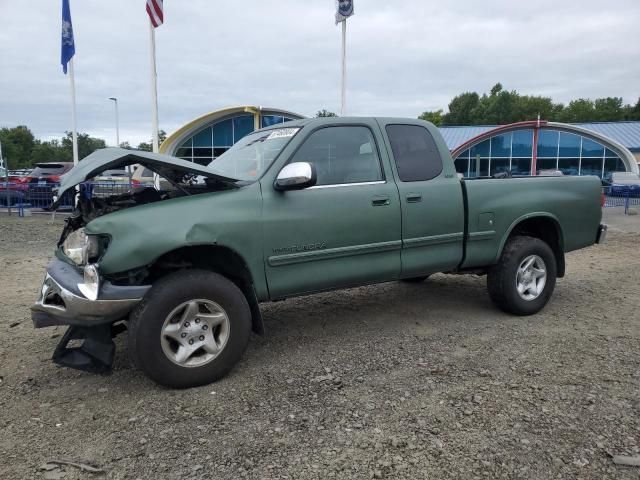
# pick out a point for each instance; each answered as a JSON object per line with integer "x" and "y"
{"x": 403, "y": 57}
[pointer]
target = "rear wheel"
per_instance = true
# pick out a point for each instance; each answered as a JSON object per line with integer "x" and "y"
{"x": 191, "y": 329}
{"x": 524, "y": 278}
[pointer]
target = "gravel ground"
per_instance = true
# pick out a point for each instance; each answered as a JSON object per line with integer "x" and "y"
{"x": 387, "y": 381}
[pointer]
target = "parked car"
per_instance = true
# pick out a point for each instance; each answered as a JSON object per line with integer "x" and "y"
{"x": 113, "y": 182}
{"x": 42, "y": 181}
{"x": 320, "y": 204}
{"x": 550, "y": 173}
{"x": 12, "y": 192}
{"x": 622, "y": 184}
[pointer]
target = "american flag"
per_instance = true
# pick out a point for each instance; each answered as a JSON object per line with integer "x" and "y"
{"x": 154, "y": 9}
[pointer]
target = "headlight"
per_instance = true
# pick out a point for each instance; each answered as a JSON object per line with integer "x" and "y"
{"x": 91, "y": 285}
{"x": 80, "y": 247}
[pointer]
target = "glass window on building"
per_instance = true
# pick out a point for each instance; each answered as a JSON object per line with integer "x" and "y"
{"x": 483, "y": 149}
{"x": 268, "y": 120}
{"x": 223, "y": 134}
{"x": 242, "y": 126}
{"x": 548, "y": 143}
{"x": 501, "y": 146}
{"x": 499, "y": 165}
{"x": 591, "y": 148}
{"x": 569, "y": 145}
{"x": 522, "y": 145}
{"x": 521, "y": 166}
{"x": 591, "y": 166}
{"x": 462, "y": 163}
{"x": 546, "y": 164}
{"x": 569, "y": 165}
{"x": 613, "y": 164}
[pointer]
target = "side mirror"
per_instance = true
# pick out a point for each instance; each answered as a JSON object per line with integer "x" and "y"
{"x": 296, "y": 176}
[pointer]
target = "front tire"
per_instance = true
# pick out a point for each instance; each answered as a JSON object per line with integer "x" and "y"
{"x": 524, "y": 278}
{"x": 191, "y": 329}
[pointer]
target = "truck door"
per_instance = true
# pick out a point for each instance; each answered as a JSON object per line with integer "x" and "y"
{"x": 345, "y": 230}
{"x": 430, "y": 198}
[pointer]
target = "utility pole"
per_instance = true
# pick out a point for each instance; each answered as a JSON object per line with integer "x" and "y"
{"x": 115, "y": 101}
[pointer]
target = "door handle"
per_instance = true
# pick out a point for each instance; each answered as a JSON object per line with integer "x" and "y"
{"x": 414, "y": 197}
{"x": 380, "y": 200}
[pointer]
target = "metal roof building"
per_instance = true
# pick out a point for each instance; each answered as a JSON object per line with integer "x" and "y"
{"x": 625, "y": 133}
{"x": 527, "y": 148}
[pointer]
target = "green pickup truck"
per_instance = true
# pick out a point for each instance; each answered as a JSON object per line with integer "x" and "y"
{"x": 308, "y": 206}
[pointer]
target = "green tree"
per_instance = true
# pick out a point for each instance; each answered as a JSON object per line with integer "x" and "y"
{"x": 86, "y": 145}
{"x": 325, "y": 113}
{"x": 17, "y": 144}
{"x": 434, "y": 117}
{"x": 148, "y": 147}
{"x": 47, "y": 152}
{"x": 461, "y": 109}
{"x": 500, "y": 106}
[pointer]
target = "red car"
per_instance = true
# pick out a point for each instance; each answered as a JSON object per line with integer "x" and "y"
{"x": 39, "y": 184}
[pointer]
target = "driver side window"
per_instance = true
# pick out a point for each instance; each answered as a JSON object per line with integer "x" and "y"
{"x": 341, "y": 155}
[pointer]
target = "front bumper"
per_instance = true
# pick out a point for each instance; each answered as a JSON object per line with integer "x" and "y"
{"x": 62, "y": 303}
{"x": 602, "y": 233}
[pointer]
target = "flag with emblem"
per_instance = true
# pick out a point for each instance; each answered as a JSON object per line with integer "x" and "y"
{"x": 344, "y": 9}
{"x": 155, "y": 11}
{"x": 68, "y": 46}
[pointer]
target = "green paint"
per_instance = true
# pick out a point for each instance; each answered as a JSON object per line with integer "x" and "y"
{"x": 360, "y": 242}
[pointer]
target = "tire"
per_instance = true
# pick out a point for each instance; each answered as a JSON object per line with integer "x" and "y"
{"x": 158, "y": 333}
{"x": 419, "y": 279}
{"x": 503, "y": 278}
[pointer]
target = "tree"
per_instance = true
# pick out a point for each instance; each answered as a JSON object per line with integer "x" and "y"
{"x": 86, "y": 145}
{"x": 434, "y": 117}
{"x": 17, "y": 144}
{"x": 148, "y": 147}
{"x": 501, "y": 107}
{"x": 325, "y": 113}
{"x": 461, "y": 109}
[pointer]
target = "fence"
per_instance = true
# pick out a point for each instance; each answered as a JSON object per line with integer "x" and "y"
{"x": 621, "y": 196}
{"x": 32, "y": 195}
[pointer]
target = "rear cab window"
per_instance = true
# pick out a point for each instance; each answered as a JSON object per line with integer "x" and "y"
{"x": 415, "y": 153}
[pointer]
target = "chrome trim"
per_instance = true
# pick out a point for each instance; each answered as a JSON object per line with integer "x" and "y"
{"x": 295, "y": 175}
{"x": 78, "y": 309}
{"x": 356, "y": 184}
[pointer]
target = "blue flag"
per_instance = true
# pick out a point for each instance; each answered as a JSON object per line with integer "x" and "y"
{"x": 68, "y": 48}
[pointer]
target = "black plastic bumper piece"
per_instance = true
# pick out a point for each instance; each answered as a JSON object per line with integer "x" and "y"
{"x": 96, "y": 353}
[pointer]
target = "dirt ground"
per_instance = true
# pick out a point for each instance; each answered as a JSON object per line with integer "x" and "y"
{"x": 387, "y": 381}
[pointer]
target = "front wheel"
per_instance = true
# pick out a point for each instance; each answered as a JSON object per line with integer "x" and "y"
{"x": 191, "y": 329}
{"x": 525, "y": 276}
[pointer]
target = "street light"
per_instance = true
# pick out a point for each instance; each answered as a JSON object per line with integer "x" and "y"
{"x": 115, "y": 101}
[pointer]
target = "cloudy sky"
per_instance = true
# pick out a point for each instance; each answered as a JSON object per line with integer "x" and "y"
{"x": 404, "y": 57}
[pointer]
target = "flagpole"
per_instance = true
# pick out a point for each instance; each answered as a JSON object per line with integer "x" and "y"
{"x": 154, "y": 87}
{"x": 74, "y": 127}
{"x": 344, "y": 67}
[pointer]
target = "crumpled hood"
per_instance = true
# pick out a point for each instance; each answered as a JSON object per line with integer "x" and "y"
{"x": 171, "y": 168}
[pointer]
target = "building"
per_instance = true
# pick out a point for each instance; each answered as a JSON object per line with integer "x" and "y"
{"x": 526, "y": 148}
{"x": 210, "y": 135}
{"x": 523, "y": 148}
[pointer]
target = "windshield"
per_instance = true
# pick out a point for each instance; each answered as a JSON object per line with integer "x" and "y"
{"x": 251, "y": 157}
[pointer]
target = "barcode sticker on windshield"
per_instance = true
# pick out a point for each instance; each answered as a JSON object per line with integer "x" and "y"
{"x": 282, "y": 133}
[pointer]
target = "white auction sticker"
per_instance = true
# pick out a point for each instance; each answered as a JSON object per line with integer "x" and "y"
{"x": 283, "y": 133}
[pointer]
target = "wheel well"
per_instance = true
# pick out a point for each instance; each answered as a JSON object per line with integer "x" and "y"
{"x": 216, "y": 258}
{"x": 547, "y": 230}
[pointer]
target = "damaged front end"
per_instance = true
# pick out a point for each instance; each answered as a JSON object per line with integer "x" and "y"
{"x": 74, "y": 291}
